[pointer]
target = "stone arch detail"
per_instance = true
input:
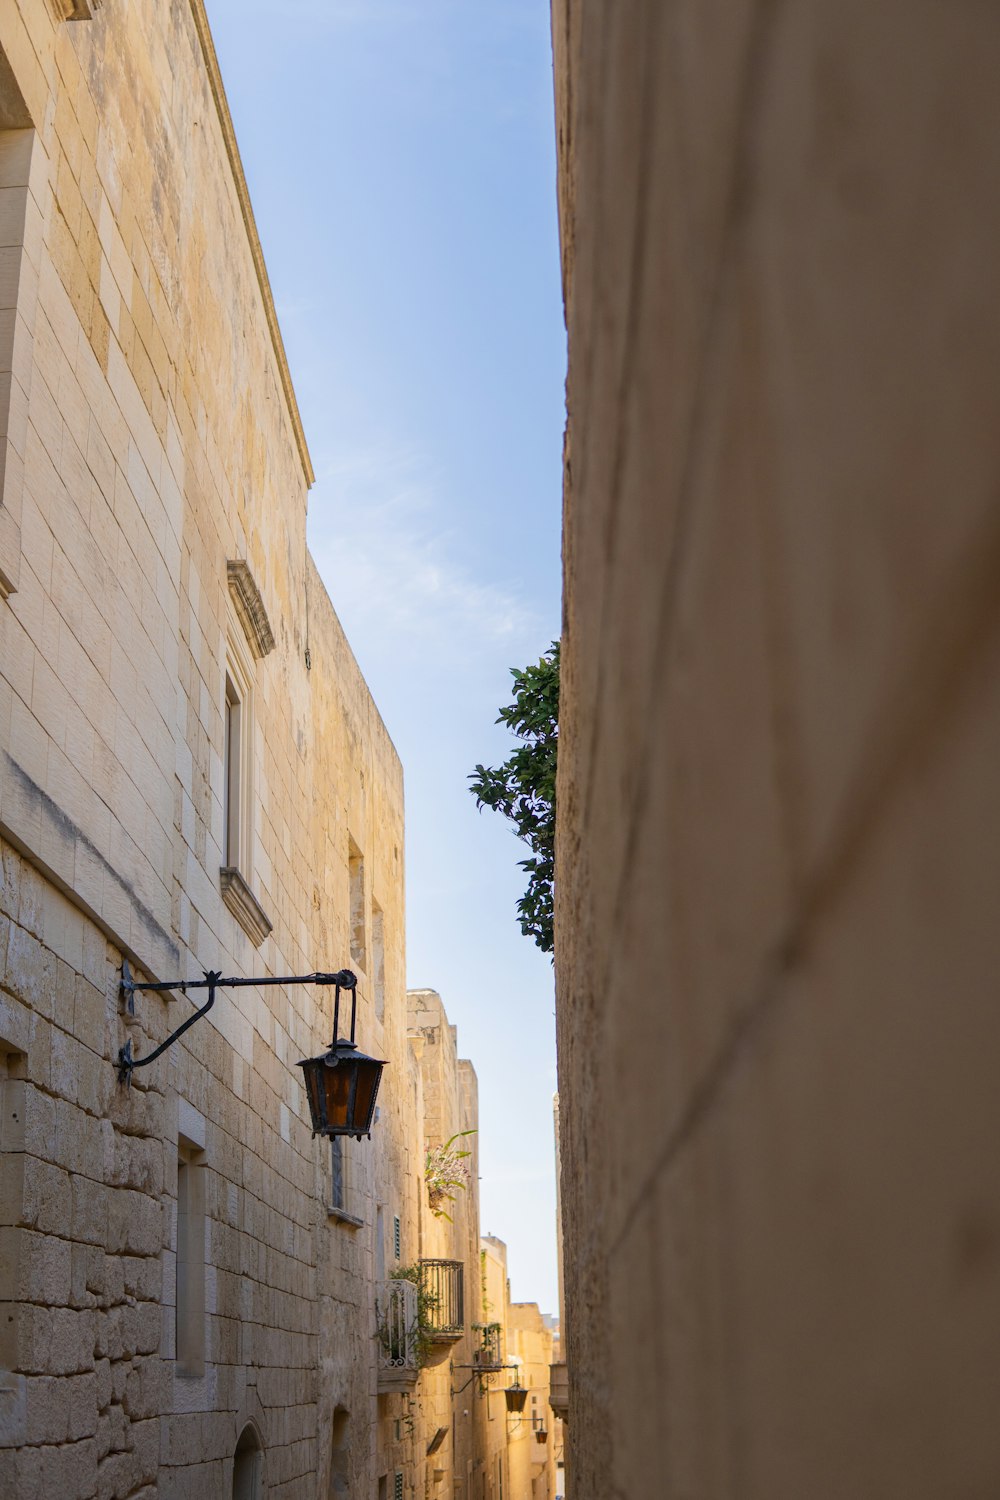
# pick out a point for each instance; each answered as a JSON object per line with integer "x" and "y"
{"x": 248, "y": 1464}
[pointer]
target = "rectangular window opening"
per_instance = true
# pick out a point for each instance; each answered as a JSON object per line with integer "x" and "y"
{"x": 378, "y": 959}
{"x": 396, "y": 1237}
{"x": 19, "y": 252}
{"x": 338, "y": 1174}
{"x": 356, "y": 867}
{"x": 237, "y": 760}
{"x": 233, "y": 779}
{"x": 13, "y": 1101}
{"x": 190, "y": 1306}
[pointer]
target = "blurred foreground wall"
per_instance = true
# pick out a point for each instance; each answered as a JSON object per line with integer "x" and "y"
{"x": 778, "y": 933}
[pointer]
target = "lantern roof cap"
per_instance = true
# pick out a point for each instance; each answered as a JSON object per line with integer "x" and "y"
{"x": 340, "y": 1049}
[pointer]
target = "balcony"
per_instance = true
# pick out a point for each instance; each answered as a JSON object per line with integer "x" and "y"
{"x": 397, "y": 1334}
{"x": 444, "y": 1289}
{"x": 559, "y": 1390}
{"x": 487, "y": 1354}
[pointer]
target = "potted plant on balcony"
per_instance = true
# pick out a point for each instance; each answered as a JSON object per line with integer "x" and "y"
{"x": 446, "y": 1171}
{"x": 487, "y": 1352}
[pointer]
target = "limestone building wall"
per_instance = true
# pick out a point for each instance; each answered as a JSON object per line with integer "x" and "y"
{"x": 495, "y": 1453}
{"x": 172, "y": 1266}
{"x": 531, "y": 1436}
{"x": 450, "y": 1104}
{"x": 777, "y": 865}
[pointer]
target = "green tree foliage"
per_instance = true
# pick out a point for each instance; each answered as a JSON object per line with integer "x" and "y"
{"x": 523, "y": 788}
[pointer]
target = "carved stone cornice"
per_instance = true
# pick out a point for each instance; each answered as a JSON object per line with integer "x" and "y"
{"x": 244, "y": 905}
{"x": 250, "y": 607}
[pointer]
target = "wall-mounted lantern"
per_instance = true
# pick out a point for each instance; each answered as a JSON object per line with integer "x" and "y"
{"x": 341, "y": 1086}
{"x": 516, "y": 1395}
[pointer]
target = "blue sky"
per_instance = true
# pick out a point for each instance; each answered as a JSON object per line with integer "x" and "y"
{"x": 400, "y": 157}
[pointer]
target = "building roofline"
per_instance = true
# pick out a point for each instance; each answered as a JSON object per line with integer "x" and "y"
{"x": 243, "y": 194}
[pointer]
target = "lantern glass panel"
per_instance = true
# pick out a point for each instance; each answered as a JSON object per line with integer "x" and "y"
{"x": 310, "y": 1072}
{"x": 337, "y": 1087}
{"x": 369, "y": 1073}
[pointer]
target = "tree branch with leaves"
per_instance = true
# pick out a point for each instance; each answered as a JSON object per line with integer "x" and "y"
{"x": 523, "y": 787}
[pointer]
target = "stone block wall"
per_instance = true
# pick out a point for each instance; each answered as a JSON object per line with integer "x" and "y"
{"x": 778, "y": 868}
{"x": 150, "y": 444}
{"x": 532, "y": 1441}
{"x": 449, "y": 1104}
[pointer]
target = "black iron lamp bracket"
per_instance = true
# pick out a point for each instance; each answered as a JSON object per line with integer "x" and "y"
{"x": 343, "y": 979}
{"x": 483, "y": 1372}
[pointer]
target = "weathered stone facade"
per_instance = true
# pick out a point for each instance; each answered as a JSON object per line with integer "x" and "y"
{"x": 193, "y": 776}
{"x": 517, "y": 1450}
{"x": 534, "y": 1436}
{"x": 448, "y": 1105}
{"x": 194, "y": 1292}
{"x": 778, "y": 869}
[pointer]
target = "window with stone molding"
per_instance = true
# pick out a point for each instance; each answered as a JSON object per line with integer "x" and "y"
{"x": 236, "y": 712}
{"x": 22, "y": 180}
{"x": 237, "y": 874}
{"x": 76, "y": 10}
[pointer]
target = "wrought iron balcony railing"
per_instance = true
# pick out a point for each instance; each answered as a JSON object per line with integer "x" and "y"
{"x": 396, "y": 1326}
{"x": 488, "y": 1354}
{"x": 559, "y": 1389}
{"x": 444, "y": 1292}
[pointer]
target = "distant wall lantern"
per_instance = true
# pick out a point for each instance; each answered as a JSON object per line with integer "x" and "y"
{"x": 341, "y": 1086}
{"x": 516, "y": 1396}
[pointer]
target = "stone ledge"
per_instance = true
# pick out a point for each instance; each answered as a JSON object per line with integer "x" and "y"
{"x": 341, "y": 1216}
{"x": 76, "y": 10}
{"x": 244, "y": 905}
{"x": 250, "y": 607}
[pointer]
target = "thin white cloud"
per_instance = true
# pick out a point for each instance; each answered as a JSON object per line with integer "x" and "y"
{"x": 393, "y": 571}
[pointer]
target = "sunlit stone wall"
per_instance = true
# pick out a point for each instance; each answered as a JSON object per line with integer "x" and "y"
{"x": 779, "y": 808}
{"x": 150, "y": 439}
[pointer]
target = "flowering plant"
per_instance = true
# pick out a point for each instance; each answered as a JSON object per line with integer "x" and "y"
{"x": 446, "y": 1167}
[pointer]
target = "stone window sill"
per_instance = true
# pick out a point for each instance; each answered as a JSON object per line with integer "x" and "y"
{"x": 77, "y": 10}
{"x": 341, "y": 1216}
{"x": 244, "y": 905}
